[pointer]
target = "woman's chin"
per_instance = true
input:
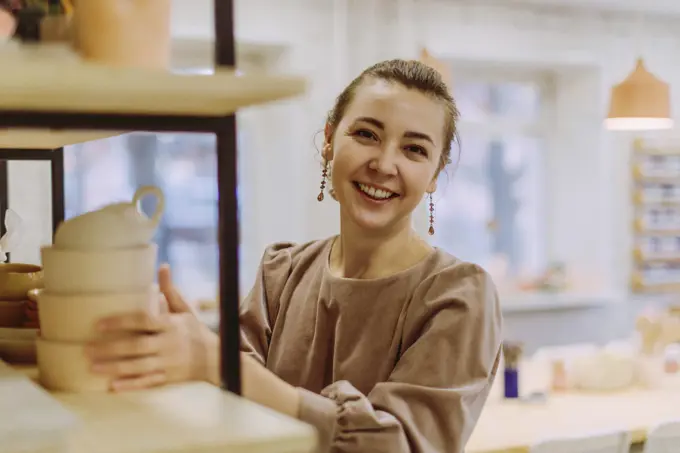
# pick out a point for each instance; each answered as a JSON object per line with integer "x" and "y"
{"x": 372, "y": 223}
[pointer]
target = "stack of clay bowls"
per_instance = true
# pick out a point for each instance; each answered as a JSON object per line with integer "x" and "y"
{"x": 102, "y": 263}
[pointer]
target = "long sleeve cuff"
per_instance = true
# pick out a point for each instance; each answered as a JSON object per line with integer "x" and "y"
{"x": 320, "y": 412}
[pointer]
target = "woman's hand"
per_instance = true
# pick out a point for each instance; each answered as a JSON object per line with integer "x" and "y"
{"x": 174, "y": 346}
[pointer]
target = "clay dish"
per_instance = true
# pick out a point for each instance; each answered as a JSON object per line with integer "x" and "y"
{"x": 17, "y": 279}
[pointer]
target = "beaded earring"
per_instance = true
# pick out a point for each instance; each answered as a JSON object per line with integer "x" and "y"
{"x": 431, "y": 229}
{"x": 324, "y": 177}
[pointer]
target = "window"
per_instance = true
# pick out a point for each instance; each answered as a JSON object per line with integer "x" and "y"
{"x": 489, "y": 208}
{"x": 184, "y": 166}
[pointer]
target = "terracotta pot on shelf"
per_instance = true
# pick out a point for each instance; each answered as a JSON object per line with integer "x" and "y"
{"x": 123, "y": 32}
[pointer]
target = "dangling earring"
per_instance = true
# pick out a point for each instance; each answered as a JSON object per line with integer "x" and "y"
{"x": 431, "y": 230}
{"x": 324, "y": 176}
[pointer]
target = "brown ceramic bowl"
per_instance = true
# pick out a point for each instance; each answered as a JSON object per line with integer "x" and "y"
{"x": 11, "y": 313}
{"x": 17, "y": 346}
{"x": 16, "y": 280}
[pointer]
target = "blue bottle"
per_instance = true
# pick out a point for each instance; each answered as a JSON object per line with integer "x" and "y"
{"x": 511, "y": 382}
{"x": 512, "y": 353}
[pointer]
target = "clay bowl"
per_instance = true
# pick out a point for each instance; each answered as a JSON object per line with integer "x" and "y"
{"x": 11, "y": 313}
{"x": 17, "y": 346}
{"x": 16, "y": 280}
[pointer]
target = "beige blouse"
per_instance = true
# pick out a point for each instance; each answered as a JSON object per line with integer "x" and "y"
{"x": 396, "y": 364}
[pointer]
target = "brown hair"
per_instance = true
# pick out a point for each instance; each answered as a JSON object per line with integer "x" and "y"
{"x": 412, "y": 74}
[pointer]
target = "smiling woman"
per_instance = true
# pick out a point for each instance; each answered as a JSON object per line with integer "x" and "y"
{"x": 382, "y": 342}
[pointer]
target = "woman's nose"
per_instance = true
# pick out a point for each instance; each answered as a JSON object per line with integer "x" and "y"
{"x": 385, "y": 162}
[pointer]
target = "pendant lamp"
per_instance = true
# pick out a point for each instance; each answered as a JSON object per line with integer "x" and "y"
{"x": 434, "y": 63}
{"x": 640, "y": 102}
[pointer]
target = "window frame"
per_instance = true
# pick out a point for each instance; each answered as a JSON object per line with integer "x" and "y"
{"x": 497, "y": 127}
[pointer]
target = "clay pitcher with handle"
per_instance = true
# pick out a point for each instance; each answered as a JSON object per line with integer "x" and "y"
{"x": 115, "y": 226}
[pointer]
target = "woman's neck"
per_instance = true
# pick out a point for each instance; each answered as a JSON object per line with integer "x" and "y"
{"x": 357, "y": 255}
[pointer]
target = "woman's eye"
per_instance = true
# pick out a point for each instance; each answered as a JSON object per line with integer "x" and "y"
{"x": 363, "y": 133}
{"x": 417, "y": 149}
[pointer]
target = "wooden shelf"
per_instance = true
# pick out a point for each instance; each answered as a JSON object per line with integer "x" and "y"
{"x": 32, "y": 419}
{"x": 46, "y": 139}
{"x": 51, "y": 78}
{"x": 195, "y": 417}
{"x": 656, "y": 225}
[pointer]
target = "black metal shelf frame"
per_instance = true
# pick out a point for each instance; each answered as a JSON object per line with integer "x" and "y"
{"x": 225, "y": 130}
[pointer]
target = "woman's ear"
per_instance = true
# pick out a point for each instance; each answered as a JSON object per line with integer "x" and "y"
{"x": 432, "y": 188}
{"x": 327, "y": 133}
{"x": 327, "y": 152}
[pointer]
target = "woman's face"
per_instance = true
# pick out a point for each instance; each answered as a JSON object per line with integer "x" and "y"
{"x": 385, "y": 153}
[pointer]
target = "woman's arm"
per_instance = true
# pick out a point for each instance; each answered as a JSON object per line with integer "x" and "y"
{"x": 258, "y": 383}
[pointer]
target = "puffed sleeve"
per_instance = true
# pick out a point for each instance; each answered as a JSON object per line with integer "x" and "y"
{"x": 435, "y": 394}
{"x": 260, "y": 308}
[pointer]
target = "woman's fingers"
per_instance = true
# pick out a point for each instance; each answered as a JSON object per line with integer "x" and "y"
{"x": 125, "y": 347}
{"x": 139, "y": 382}
{"x": 176, "y": 302}
{"x": 140, "y": 366}
{"x": 134, "y": 322}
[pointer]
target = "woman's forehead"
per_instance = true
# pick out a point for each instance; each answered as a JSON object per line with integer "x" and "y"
{"x": 397, "y": 107}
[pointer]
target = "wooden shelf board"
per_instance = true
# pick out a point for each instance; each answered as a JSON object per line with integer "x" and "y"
{"x": 47, "y": 139}
{"x": 31, "y": 419}
{"x": 185, "y": 418}
{"x": 53, "y": 79}
{"x": 196, "y": 418}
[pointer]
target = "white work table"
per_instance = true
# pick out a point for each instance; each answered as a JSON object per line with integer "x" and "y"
{"x": 508, "y": 426}
{"x": 186, "y": 418}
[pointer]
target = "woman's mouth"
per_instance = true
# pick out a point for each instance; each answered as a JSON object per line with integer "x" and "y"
{"x": 373, "y": 193}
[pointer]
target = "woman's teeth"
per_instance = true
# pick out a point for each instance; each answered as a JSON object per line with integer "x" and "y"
{"x": 372, "y": 192}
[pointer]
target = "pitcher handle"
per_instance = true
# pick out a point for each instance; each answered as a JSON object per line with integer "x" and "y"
{"x": 160, "y": 201}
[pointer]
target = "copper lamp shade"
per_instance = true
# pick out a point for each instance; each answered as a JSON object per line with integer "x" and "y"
{"x": 439, "y": 66}
{"x": 640, "y": 102}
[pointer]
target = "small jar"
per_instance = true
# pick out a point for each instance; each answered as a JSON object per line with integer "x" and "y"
{"x": 559, "y": 375}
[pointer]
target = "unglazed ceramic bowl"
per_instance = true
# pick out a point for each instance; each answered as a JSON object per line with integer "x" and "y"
{"x": 18, "y": 345}
{"x": 99, "y": 272}
{"x": 64, "y": 367}
{"x": 73, "y": 318}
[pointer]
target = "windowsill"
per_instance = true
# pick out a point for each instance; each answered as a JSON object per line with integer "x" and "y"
{"x": 547, "y": 301}
{"x": 525, "y": 303}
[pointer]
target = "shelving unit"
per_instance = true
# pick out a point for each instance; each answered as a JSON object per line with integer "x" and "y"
{"x": 39, "y": 114}
{"x": 656, "y": 217}
{"x": 89, "y": 99}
